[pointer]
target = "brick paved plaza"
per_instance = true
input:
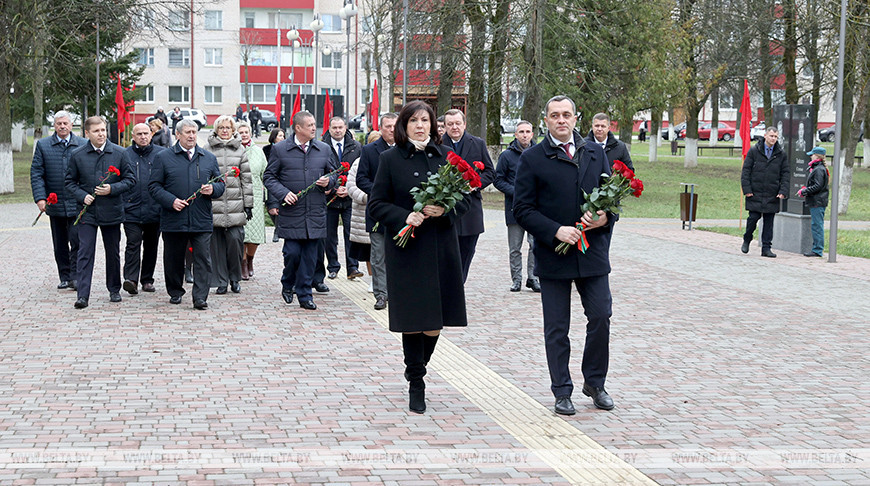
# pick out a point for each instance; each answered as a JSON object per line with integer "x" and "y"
{"x": 725, "y": 369}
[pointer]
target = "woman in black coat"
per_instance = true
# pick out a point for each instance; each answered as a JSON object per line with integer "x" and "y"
{"x": 424, "y": 279}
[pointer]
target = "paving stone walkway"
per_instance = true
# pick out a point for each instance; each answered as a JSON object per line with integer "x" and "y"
{"x": 726, "y": 369}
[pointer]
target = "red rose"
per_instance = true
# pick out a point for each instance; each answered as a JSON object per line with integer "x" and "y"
{"x": 452, "y": 158}
{"x": 463, "y": 166}
{"x": 51, "y": 199}
{"x": 618, "y": 166}
{"x": 628, "y": 173}
{"x": 475, "y": 181}
{"x": 636, "y": 187}
{"x": 468, "y": 175}
{"x": 235, "y": 171}
{"x": 114, "y": 170}
{"x": 479, "y": 165}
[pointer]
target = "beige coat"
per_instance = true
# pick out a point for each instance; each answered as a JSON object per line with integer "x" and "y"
{"x": 358, "y": 233}
{"x": 229, "y": 209}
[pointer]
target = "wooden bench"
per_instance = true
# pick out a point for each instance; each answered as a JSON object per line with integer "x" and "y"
{"x": 701, "y": 148}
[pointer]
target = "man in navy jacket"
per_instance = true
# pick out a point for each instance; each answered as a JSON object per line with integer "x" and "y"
{"x": 103, "y": 199}
{"x": 547, "y": 203}
{"x": 47, "y": 173}
{"x": 178, "y": 173}
{"x": 471, "y": 149}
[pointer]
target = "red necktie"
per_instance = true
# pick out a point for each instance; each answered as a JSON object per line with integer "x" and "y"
{"x": 567, "y": 148}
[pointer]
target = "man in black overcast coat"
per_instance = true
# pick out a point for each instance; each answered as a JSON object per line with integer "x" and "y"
{"x": 601, "y": 135}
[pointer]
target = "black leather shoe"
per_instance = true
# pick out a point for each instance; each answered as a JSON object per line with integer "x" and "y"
{"x": 287, "y": 295}
{"x": 64, "y": 284}
{"x": 380, "y": 303}
{"x": 745, "y": 247}
{"x": 516, "y": 287}
{"x": 307, "y": 304}
{"x": 534, "y": 285}
{"x": 332, "y": 275}
{"x": 188, "y": 275}
{"x": 81, "y": 303}
{"x": 564, "y": 406}
{"x": 768, "y": 254}
{"x": 599, "y": 397}
{"x": 235, "y": 287}
{"x": 114, "y": 297}
{"x": 321, "y": 287}
{"x": 221, "y": 290}
{"x": 200, "y": 305}
{"x": 811, "y": 254}
{"x": 148, "y": 287}
{"x": 131, "y": 287}
{"x": 355, "y": 274}
{"x": 175, "y": 299}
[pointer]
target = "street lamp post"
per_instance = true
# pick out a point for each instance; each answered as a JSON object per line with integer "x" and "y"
{"x": 316, "y": 27}
{"x": 292, "y": 36}
{"x": 348, "y": 12}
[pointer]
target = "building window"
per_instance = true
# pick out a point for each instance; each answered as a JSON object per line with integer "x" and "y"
{"x": 179, "y": 94}
{"x": 421, "y": 61}
{"x": 332, "y": 61}
{"x": 145, "y": 20}
{"x": 179, "y": 57}
{"x": 214, "y": 20}
{"x": 145, "y": 95}
{"x": 179, "y": 20}
{"x": 249, "y": 20}
{"x": 213, "y": 94}
{"x": 284, "y": 20}
{"x": 331, "y": 23}
{"x": 214, "y": 56}
{"x": 145, "y": 56}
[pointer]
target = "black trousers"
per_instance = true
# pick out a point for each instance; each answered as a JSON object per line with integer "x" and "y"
{"x": 766, "y": 228}
{"x": 299, "y": 264}
{"x": 140, "y": 256}
{"x": 319, "y": 267}
{"x": 87, "y": 248}
{"x": 65, "y": 240}
{"x": 597, "y": 305}
{"x": 467, "y": 247}
{"x": 174, "y": 248}
{"x": 332, "y": 217}
{"x": 226, "y": 255}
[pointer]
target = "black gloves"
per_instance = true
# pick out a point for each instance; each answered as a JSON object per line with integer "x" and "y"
{"x": 248, "y": 214}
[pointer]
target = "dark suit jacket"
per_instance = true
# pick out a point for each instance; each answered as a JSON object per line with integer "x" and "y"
{"x": 86, "y": 169}
{"x": 174, "y": 176}
{"x": 548, "y": 194}
{"x": 473, "y": 149}
{"x": 48, "y": 171}
{"x": 365, "y": 174}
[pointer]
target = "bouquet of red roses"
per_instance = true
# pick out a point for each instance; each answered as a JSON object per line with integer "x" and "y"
{"x": 606, "y": 197}
{"x": 444, "y": 188}
{"x": 51, "y": 199}
{"x": 234, "y": 171}
{"x": 112, "y": 170}
{"x": 345, "y": 166}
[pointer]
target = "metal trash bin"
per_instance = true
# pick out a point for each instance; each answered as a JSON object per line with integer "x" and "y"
{"x": 688, "y": 204}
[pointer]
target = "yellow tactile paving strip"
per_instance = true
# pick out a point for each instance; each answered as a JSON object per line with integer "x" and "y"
{"x": 549, "y": 437}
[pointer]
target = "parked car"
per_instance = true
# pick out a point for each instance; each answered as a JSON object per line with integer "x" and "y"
{"x": 677, "y": 130}
{"x": 509, "y": 125}
{"x": 726, "y": 133}
{"x": 356, "y": 121}
{"x": 756, "y": 133}
{"x": 198, "y": 116}
{"x": 830, "y": 133}
{"x": 269, "y": 120}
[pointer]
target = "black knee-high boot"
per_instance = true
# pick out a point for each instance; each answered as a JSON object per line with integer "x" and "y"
{"x": 429, "y": 343}
{"x": 415, "y": 370}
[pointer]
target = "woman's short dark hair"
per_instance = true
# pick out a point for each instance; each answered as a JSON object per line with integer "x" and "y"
{"x": 274, "y": 134}
{"x": 407, "y": 112}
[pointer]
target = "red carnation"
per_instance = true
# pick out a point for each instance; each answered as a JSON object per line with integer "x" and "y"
{"x": 345, "y": 166}
{"x": 51, "y": 199}
{"x": 236, "y": 171}
{"x": 479, "y": 165}
{"x": 114, "y": 170}
{"x": 636, "y": 187}
{"x": 342, "y": 180}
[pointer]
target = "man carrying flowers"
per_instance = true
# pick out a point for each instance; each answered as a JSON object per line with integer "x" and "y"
{"x": 551, "y": 181}
{"x": 97, "y": 176}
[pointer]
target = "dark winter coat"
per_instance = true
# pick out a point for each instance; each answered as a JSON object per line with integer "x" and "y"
{"x": 764, "y": 178}
{"x": 162, "y": 138}
{"x": 424, "y": 279}
{"x": 174, "y": 176}
{"x": 506, "y": 175}
{"x": 48, "y": 173}
{"x": 547, "y": 195}
{"x": 86, "y": 169}
{"x": 139, "y": 206}
{"x": 161, "y": 115}
{"x": 816, "y": 193}
{"x": 473, "y": 149}
{"x": 365, "y": 175}
{"x": 350, "y": 151}
{"x": 291, "y": 169}
{"x": 614, "y": 148}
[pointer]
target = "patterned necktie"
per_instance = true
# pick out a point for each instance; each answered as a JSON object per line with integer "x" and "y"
{"x": 339, "y": 150}
{"x": 304, "y": 147}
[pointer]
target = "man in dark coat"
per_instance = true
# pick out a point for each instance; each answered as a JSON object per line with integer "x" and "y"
{"x": 365, "y": 179}
{"x": 294, "y": 164}
{"x": 471, "y": 149}
{"x": 176, "y": 117}
{"x": 765, "y": 183}
{"x": 254, "y": 118}
{"x": 505, "y": 177}
{"x": 547, "y": 203}
{"x": 601, "y": 135}
{"x": 161, "y": 115}
{"x": 177, "y": 173}
{"x": 346, "y": 149}
{"x": 47, "y": 172}
{"x": 141, "y": 215}
{"x": 91, "y": 182}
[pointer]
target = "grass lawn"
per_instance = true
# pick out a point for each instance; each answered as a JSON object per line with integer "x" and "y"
{"x": 854, "y": 243}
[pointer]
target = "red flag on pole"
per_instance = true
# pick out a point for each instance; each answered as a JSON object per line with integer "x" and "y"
{"x": 121, "y": 106}
{"x": 745, "y": 119}
{"x": 297, "y": 105}
{"x": 278, "y": 104}
{"x": 327, "y": 114}
{"x": 376, "y": 109}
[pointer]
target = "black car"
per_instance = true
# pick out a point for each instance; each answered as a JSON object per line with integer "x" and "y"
{"x": 677, "y": 130}
{"x": 356, "y": 121}
{"x": 828, "y": 134}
